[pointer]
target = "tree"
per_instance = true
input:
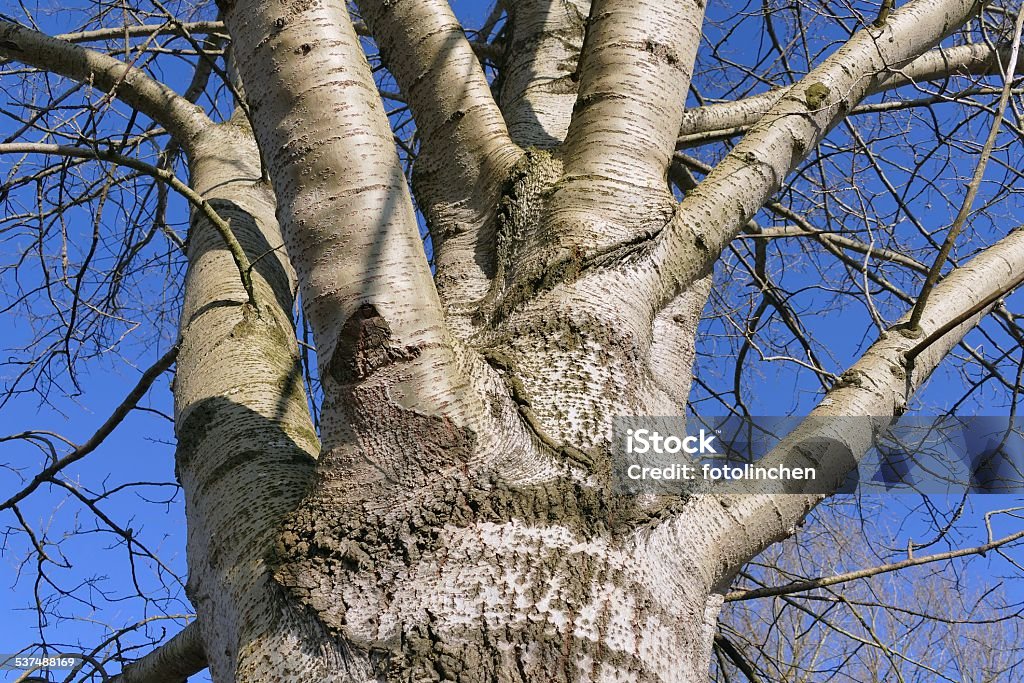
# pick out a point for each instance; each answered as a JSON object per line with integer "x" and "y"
{"x": 450, "y": 514}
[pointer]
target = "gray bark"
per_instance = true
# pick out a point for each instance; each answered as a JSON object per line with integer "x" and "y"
{"x": 457, "y": 521}
{"x": 246, "y": 444}
{"x": 460, "y": 524}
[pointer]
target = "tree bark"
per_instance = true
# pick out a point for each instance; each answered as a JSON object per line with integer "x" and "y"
{"x": 246, "y": 444}
{"x": 461, "y": 523}
{"x": 540, "y": 75}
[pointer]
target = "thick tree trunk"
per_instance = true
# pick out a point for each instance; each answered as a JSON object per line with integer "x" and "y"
{"x": 520, "y": 567}
{"x": 246, "y": 444}
{"x": 461, "y": 523}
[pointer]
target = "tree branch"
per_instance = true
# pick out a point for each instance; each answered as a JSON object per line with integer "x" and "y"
{"x": 716, "y": 120}
{"x": 343, "y": 201}
{"x": 823, "y": 582}
{"x": 181, "y": 118}
{"x": 539, "y": 79}
{"x": 802, "y": 228}
{"x": 972, "y": 187}
{"x": 737, "y": 658}
{"x": 172, "y": 662}
{"x": 879, "y": 386}
{"x": 465, "y": 150}
{"x": 462, "y": 131}
{"x": 127, "y": 405}
{"x": 954, "y": 97}
{"x": 162, "y": 174}
{"x": 144, "y": 30}
{"x": 715, "y": 211}
{"x": 483, "y": 50}
{"x": 634, "y": 76}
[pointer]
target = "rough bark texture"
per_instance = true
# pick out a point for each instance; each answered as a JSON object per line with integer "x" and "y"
{"x": 246, "y": 445}
{"x": 458, "y": 521}
{"x": 460, "y": 527}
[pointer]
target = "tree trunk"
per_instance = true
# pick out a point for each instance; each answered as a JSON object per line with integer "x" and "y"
{"x": 246, "y": 444}
{"x": 460, "y": 523}
{"x": 456, "y": 519}
{"x": 502, "y": 575}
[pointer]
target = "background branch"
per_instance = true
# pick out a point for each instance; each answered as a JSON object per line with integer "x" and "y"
{"x": 181, "y": 118}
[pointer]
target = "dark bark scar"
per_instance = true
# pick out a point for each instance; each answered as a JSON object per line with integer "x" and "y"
{"x": 364, "y": 346}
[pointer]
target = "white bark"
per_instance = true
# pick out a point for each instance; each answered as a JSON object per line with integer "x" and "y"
{"x": 330, "y": 152}
{"x": 539, "y": 78}
{"x": 961, "y": 60}
{"x": 245, "y": 440}
{"x": 460, "y": 525}
{"x": 673, "y": 350}
{"x": 634, "y": 75}
{"x": 465, "y": 150}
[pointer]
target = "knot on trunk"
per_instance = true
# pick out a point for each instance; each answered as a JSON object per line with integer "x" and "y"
{"x": 364, "y": 346}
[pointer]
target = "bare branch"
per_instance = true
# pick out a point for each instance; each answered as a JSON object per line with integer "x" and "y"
{"x": 737, "y": 657}
{"x": 127, "y": 405}
{"x": 811, "y": 584}
{"x": 715, "y": 211}
{"x": 972, "y": 59}
{"x": 879, "y": 385}
{"x": 483, "y": 50}
{"x": 172, "y": 662}
{"x": 973, "y": 186}
{"x": 181, "y": 118}
{"x": 163, "y": 174}
{"x": 144, "y": 30}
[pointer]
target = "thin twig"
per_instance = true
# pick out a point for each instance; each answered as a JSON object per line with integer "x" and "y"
{"x": 122, "y": 410}
{"x": 222, "y": 226}
{"x": 811, "y": 584}
{"x": 972, "y": 189}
